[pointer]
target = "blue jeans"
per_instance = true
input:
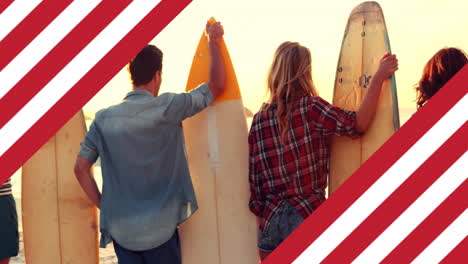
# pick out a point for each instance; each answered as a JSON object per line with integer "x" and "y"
{"x": 167, "y": 253}
{"x": 282, "y": 224}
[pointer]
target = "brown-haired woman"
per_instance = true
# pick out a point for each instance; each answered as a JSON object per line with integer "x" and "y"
{"x": 438, "y": 71}
{"x": 288, "y": 142}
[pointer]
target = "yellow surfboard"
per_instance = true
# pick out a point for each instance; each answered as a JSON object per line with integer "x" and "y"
{"x": 365, "y": 41}
{"x": 59, "y": 221}
{"x": 223, "y": 230}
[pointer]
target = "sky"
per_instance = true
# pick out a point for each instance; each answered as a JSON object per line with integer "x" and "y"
{"x": 255, "y": 28}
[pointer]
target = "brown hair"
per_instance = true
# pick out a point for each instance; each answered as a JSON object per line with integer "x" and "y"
{"x": 438, "y": 71}
{"x": 145, "y": 65}
{"x": 289, "y": 78}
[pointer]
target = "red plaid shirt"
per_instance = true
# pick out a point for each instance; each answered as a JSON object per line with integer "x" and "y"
{"x": 296, "y": 171}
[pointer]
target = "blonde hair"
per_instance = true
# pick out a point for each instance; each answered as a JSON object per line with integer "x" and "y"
{"x": 289, "y": 79}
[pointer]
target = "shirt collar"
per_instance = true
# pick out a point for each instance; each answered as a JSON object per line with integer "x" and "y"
{"x": 137, "y": 93}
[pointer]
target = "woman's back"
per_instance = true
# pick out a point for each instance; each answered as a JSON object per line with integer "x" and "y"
{"x": 295, "y": 170}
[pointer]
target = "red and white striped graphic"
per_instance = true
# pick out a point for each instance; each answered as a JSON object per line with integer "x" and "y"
{"x": 407, "y": 203}
{"x": 56, "y": 55}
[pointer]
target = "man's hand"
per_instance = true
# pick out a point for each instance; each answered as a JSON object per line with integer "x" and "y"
{"x": 217, "y": 79}
{"x": 214, "y": 32}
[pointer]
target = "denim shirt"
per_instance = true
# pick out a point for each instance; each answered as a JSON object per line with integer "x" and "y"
{"x": 147, "y": 190}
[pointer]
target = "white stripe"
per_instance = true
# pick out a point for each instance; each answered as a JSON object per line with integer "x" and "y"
{"x": 44, "y": 43}
{"x": 386, "y": 184}
{"x": 73, "y": 72}
{"x": 14, "y": 14}
{"x": 416, "y": 213}
{"x": 213, "y": 143}
{"x": 445, "y": 242}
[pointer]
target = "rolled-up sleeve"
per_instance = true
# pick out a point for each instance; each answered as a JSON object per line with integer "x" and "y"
{"x": 185, "y": 105}
{"x": 89, "y": 149}
{"x": 332, "y": 120}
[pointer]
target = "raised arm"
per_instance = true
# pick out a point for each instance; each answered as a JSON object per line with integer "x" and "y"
{"x": 217, "y": 80}
{"x": 388, "y": 65}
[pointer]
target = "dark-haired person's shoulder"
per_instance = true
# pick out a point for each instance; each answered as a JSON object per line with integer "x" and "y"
{"x": 101, "y": 113}
{"x": 166, "y": 95}
{"x": 167, "y": 98}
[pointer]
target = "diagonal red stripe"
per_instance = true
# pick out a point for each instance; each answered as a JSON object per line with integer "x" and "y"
{"x": 459, "y": 254}
{"x": 29, "y": 28}
{"x": 370, "y": 171}
{"x": 59, "y": 57}
{"x": 89, "y": 85}
{"x": 401, "y": 199}
{"x": 431, "y": 227}
{"x": 4, "y": 5}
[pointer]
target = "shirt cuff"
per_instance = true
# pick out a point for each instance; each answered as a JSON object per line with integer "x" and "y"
{"x": 203, "y": 91}
{"x": 88, "y": 153}
{"x": 256, "y": 207}
{"x": 353, "y": 132}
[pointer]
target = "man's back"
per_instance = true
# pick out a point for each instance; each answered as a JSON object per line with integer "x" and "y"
{"x": 146, "y": 181}
{"x": 147, "y": 191}
{"x": 139, "y": 145}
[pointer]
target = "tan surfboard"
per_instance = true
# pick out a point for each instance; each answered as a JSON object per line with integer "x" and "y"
{"x": 223, "y": 230}
{"x": 59, "y": 221}
{"x": 365, "y": 41}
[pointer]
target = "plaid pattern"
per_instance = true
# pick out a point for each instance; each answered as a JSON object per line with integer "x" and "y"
{"x": 297, "y": 170}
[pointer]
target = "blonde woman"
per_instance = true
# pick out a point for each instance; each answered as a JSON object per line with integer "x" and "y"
{"x": 288, "y": 142}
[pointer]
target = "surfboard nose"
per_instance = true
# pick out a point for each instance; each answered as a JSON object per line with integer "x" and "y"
{"x": 211, "y": 21}
{"x": 199, "y": 72}
{"x": 367, "y": 8}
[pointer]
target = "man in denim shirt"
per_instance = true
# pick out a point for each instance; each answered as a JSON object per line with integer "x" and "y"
{"x": 147, "y": 191}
